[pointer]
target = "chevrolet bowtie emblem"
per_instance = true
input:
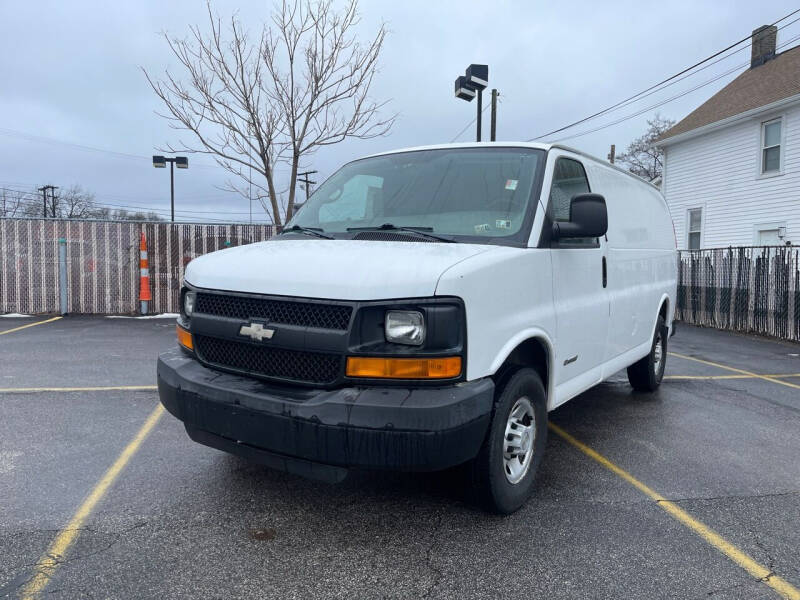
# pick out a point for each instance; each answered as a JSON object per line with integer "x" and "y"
{"x": 257, "y": 332}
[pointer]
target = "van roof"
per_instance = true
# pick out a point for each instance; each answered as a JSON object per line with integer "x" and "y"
{"x": 536, "y": 145}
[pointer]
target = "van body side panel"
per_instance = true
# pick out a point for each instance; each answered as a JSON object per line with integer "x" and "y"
{"x": 642, "y": 264}
{"x": 509, "y": 291}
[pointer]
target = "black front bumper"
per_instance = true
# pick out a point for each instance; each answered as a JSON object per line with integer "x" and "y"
{"x": 320, "y": 433}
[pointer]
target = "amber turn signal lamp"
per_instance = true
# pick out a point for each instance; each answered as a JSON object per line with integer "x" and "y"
{"x": 404, "y": 368}
{"x": 184, "y": 338}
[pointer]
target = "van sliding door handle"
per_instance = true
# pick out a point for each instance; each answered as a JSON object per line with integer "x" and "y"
{"x": 605, "y": 273}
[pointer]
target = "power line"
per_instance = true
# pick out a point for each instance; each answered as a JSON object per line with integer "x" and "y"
{"x": 138, "y": 206}
{"x": 165, "y": 215}
{"x": 31, "y": 203}
{"x": 703, "y": 68}
{"x": 221, "y": 194}
{"x": 45, "y": 139}
{"x": 663, "y": 102}
{"x": 652, "y": 87}
{"x": 468, "y": 125}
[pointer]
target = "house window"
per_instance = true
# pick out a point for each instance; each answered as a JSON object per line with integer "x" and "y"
{"x": 695, "y": 227}
{"x": 771, "y": 146}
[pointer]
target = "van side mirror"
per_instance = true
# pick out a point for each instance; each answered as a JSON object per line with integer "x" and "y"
{"x": 588, "y": 217}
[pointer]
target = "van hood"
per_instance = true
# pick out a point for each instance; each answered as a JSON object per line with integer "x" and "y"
{"x": 332, "y": 269}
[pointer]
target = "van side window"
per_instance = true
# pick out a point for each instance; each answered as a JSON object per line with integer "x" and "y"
{"x": 569, "y": 178}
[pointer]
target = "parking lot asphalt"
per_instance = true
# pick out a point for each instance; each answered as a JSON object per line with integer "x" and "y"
{"x": 719, "y": 440}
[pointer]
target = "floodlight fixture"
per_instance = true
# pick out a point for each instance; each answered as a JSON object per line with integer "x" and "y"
{"x": 478, "y": 76}
{"x": 464, "y": 90}
{"x": 160, "y": 162}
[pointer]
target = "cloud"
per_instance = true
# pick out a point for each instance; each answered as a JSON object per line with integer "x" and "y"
{"x": 71, "y": 72}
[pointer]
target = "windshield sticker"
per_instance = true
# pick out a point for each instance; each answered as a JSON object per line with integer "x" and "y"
{"x": 502, "y": 224}
{"x": 481, "y": 228}
{"x": 511, "y": 184}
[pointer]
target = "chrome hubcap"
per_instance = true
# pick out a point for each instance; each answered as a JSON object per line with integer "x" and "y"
{"x": 658, "y": 353}
{"x": 519, "y": 440}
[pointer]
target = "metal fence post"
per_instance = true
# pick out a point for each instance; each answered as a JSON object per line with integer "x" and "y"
{"x": 62, "y": 274}
{"x": 144, "y": 274}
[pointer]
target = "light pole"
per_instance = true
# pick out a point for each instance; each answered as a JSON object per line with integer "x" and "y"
{"x": 160, "y": 162}
{"x": 471, "y": 85}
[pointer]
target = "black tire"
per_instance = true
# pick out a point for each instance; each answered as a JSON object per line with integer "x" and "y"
{"x": 646, "y": 374}
{"x": 489, "y": 469}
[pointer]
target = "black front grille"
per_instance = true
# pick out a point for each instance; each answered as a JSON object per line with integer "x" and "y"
{"x": 305, "y": 367}
{"x": 304, "y": 314}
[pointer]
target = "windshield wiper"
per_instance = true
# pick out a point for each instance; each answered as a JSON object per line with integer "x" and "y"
{"x": 315, "y": 231}
{"x": 423, "y": 231}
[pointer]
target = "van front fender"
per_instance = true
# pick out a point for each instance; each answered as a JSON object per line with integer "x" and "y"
{"x": 533, "y": 333}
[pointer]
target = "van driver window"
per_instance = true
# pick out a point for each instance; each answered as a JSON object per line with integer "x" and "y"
{"x": 569, "y": 178}
{"x": 355, "y": 200}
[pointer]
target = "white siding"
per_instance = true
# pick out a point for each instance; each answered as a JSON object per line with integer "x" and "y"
{"x": 719, "y": 172}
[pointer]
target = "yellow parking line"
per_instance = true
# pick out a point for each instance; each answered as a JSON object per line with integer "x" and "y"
{"x": 754, "y": 376}
{"x": 51, "y": 559}
{"x": 771, "y": 378}
{"x": 709, "y": 377}
{"x": 757, "y": 570}
{"x": 102, "y": 388}
{"x": 29, "y": 325}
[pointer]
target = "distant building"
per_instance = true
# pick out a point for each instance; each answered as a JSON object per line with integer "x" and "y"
{"x": 732, "y": 166}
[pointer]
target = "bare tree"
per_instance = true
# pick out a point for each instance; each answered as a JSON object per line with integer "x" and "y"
{"x": 255, "y": 102}
{"x": 124, "y": 215}
{"x": 643, "y": 157}
{"x": 13, "y": 203}
{"x": 75, "y": 203}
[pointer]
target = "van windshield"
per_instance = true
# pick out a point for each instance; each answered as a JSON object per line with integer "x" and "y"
{"x": 471, "y": 194}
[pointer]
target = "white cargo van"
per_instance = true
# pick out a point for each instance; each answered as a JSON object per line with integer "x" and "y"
{"x": 424, "y": 309}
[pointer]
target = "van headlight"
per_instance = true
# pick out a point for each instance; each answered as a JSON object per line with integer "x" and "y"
{"x": 188, "y": 303}
{"x": 405, "y": 327}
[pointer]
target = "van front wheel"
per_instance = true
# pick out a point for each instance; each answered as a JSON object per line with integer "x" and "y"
{"x": 503, "y": 473}
{"x": 646, "y": 374}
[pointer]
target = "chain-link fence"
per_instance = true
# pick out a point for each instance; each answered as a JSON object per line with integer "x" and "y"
{"x": 103, "y": 262}
{"x": 750, "y": 289}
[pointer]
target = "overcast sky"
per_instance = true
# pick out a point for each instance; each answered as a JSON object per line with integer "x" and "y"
{"x": 70, "y": 75}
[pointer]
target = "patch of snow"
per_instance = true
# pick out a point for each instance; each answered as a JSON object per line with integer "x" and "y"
{"x": 14, "y": 315}
{"x": 161, "y": 316}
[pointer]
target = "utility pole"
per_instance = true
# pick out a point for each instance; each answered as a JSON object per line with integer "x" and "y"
{"x": 303, "y": 178}
{"x": 52, "y": 189}
{"x": 493, "y": 134}
{"x": 612, "y": 154}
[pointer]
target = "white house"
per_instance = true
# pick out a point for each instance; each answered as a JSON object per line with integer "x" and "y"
{"x": 732, "y": 166}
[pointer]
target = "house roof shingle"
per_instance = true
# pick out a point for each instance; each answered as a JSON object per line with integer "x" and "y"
{"x": 775, "y": 80}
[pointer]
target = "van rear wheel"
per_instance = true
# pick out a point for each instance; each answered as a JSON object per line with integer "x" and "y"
{"x": 503, "y": 473}
{"x": 646, "y": 374}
